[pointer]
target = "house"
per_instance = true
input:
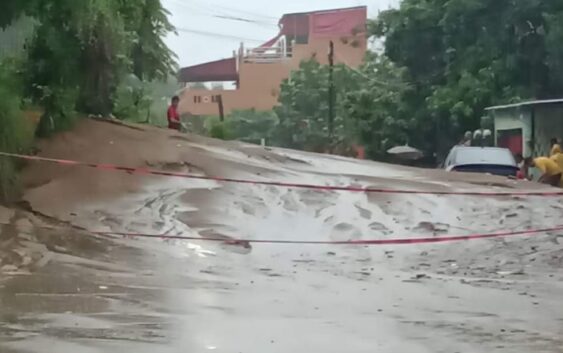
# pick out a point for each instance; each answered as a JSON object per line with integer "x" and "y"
{"x": 528, "y": 127}
{"x": 257, "y": 73}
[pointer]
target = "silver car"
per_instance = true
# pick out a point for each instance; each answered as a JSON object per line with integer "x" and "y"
{"x": 491, "y": 160}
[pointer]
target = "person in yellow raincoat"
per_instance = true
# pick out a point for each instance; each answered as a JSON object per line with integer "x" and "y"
{"x": 557, "y": 157}
{"x": 550, "y": 169}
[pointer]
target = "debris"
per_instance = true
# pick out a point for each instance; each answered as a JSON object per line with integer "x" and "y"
{"x": 511, "y": 273}
{"x": 8, "y": 268}
{"x": 27, "y": 260}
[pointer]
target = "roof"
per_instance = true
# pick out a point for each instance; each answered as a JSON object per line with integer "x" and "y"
{"x": 342, "y": 22}
{"x": 527, "y": 103}
{"x": 325, "y": 11}
{"x": 219, "y": 70}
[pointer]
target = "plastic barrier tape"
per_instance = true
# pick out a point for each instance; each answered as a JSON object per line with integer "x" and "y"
{"x": 396, "y": 241}
{"x": 145, "y": 171}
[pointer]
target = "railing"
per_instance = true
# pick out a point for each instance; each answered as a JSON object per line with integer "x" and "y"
{"x": 267, "y": 54}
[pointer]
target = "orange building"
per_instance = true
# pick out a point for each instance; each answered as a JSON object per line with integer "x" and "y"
{"x": 257, "y": 73}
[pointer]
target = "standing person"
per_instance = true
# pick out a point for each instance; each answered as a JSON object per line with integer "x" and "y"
{"x": 173, "y": 115}
{"x": 551, "y": 173}
{"x": 555, "y": 147}
{"x": 466, "y": 140}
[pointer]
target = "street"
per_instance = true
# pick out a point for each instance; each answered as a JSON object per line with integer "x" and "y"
{"x": 84, "y": 293}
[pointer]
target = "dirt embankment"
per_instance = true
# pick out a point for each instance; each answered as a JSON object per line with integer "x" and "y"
{"x": 67, "y": 194}
{"x": 55, "y": 195}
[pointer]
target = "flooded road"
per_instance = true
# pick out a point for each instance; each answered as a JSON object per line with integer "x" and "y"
{"x": 136, "y": 295}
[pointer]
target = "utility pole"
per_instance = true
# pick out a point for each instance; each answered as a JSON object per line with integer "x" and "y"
{"x": 331, "y": 91}
{"x": 221, "y": 109}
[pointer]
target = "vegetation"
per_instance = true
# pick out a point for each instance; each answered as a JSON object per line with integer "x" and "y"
{"x": 303, "y": 109}
{"x": 443, "y": 63}
{"x": 15, "y": 133}
{"x": 244, "y": 125}
{"x": 78, "y": 59}
{"x": 463, "y": 55}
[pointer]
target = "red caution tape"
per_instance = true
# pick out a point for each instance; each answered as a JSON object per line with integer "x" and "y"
{"x": 397, "y": 241}
{"x": 144, "y": 171}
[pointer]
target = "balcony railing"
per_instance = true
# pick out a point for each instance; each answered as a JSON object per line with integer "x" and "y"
{"x": 267, "y": 55}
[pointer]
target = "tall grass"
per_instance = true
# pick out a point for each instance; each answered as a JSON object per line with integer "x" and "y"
{"x": 16, "y": 134}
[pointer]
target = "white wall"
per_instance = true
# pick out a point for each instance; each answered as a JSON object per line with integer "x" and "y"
{"x": 515, "y": 118}
{"x": 548, "y": 124}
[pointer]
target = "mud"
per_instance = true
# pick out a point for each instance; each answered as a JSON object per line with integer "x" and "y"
{"x": 71, "y": 291}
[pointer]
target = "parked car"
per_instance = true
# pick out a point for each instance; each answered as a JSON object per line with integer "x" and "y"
{"x": 491, "y": 160}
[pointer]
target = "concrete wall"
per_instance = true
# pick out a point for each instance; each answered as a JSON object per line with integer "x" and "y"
{"x": 547, "y": 125}
{"x": 260, "y": 82}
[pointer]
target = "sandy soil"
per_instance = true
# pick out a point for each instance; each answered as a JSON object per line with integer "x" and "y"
{"x": 60, "y": 286}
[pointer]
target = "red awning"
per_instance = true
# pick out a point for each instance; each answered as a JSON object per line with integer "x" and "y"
{"x": 271, "y": 42}
{"x": 220, "y": 70}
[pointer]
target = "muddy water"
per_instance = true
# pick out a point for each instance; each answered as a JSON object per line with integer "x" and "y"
{"x": 153, "y": 296}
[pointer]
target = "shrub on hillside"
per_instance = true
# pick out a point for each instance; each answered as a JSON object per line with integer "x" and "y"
{"x": 16, "y": 134}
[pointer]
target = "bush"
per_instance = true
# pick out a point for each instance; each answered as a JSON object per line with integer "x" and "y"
{"x": 219, "y": 130}
{"x": 60, "y": 113}
{"x": 251, "y": 125}
{"x": 16, "y": 133}
{"x": 132, "y": 104}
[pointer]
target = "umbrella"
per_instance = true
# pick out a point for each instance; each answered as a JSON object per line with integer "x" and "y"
{"x": 406, "y": 152}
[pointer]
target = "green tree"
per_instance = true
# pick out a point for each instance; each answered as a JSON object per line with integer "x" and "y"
{"x": 147, "y": 23}
{"x": 15, "y": 133}
{"x": 382, "y": 121}
{"x": 303, "y": 108}
{"x": 78, "y": 54}
{"x": 462, "y": 55}
{"x": 83, "y": 50}
{"x": 251, "y": 125}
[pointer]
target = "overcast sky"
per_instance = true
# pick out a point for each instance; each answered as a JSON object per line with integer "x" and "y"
{"x": 205, "y": 34}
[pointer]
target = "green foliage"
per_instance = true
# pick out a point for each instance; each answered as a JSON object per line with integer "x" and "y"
{"x": 368, "y": 108}
{"x": 251, "y": 126}
{"x": 83, "y": 51}
{"x": 12, "y": 10}
{"x": 59, "y": 114}
{"x": 303, "y": 109}
{"x": 462, "y": 56}
{"x": 376, "y": 107}
{"x": 132, "y": 100}
{"x": 219, "y": 130}
{"x": 77, "y": 57}
{"x": 144, "y": 102}
{"x": 14, "y": 37}
{"x": 15, "y": 133}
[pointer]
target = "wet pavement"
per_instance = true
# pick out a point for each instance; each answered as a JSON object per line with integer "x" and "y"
{"x": 131, "y": 295}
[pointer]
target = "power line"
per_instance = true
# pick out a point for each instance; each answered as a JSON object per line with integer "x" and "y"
{"x": 381, "y": 83}
{"x": 241, "y": 19}
{"x": 217, "y": 35}
{"x": 222, "y": 15}
{"x": 232, "y": 9}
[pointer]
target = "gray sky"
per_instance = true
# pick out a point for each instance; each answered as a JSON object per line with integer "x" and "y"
{"x": 203, "y": 36}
